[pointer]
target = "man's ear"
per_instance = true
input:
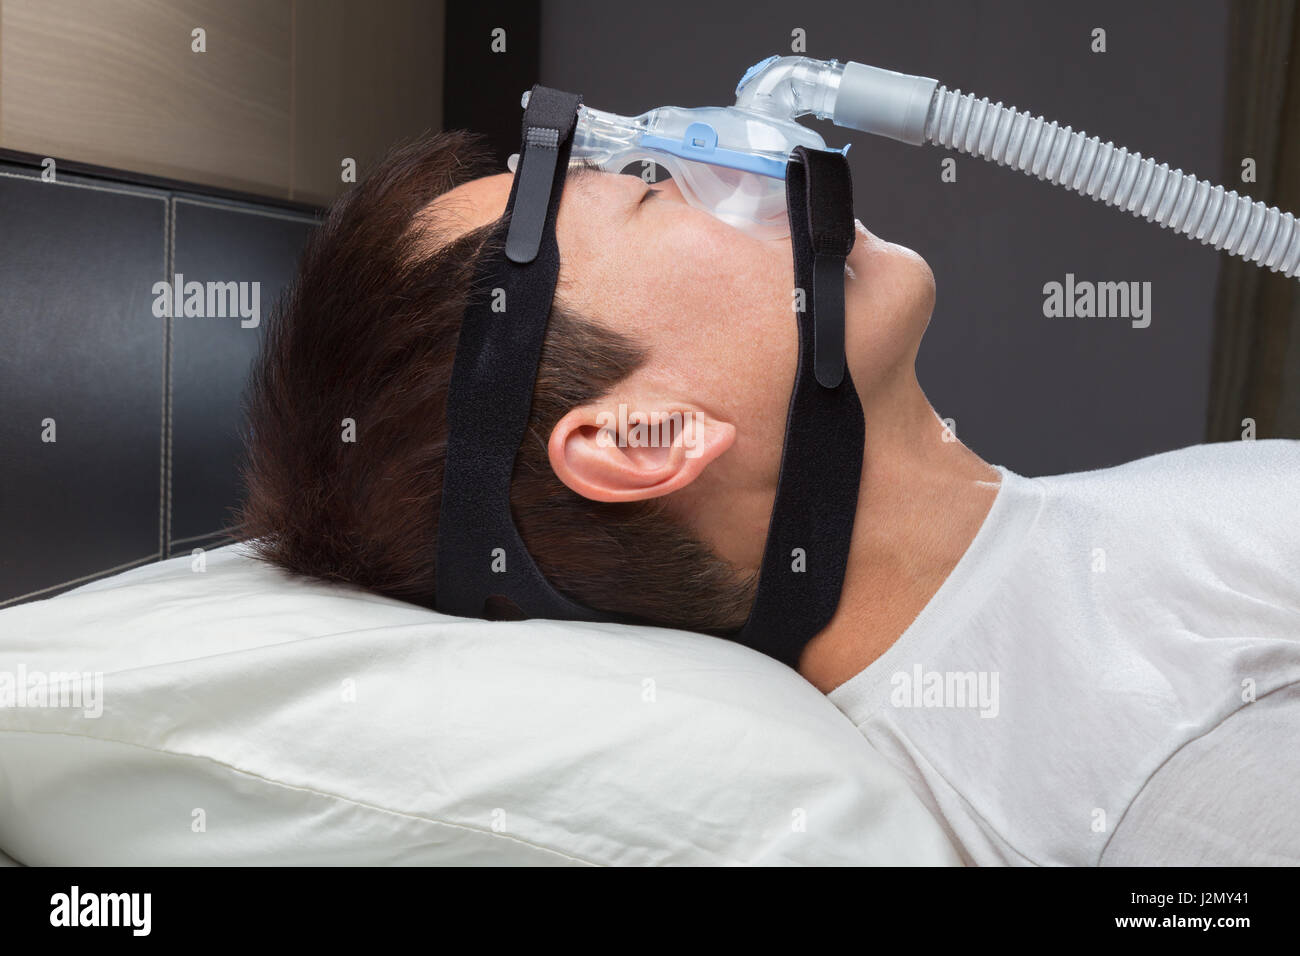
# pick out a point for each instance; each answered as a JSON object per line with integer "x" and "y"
{"x": 607, "y": 453}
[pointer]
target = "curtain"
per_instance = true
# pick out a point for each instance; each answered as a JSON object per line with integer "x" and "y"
{"x": 1255, "y": 363}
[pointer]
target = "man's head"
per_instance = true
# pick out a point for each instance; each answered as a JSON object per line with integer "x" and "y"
{"x": 662, "y": 314}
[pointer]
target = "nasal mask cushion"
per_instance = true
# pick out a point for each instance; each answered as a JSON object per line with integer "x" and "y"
{"x": 480, "y": 554}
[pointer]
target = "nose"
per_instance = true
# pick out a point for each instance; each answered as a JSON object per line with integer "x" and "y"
{"x": 670, "y": 191}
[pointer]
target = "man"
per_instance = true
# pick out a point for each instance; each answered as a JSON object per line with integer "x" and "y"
{"x": 1034, "y": 653}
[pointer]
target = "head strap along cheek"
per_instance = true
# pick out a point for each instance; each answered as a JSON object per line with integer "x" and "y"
{"x": 816, "y": 497}
{"x": 480, "y": 554}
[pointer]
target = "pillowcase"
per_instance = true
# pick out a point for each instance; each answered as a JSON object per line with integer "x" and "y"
{"x": 229, "y": 713}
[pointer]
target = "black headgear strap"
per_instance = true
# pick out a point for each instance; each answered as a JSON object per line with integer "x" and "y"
{"x": 480, "y": 554}
{"x": 816, "y": 497}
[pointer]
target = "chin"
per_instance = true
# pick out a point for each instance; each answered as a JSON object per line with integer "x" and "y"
{"x": 889, "y": 297}
{"x": 921, "y": 281}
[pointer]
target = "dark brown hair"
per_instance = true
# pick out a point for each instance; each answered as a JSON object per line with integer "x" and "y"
{"x": 367, "y": 332}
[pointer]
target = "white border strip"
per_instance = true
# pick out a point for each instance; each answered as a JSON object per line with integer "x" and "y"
{"x": 81, "y": 580}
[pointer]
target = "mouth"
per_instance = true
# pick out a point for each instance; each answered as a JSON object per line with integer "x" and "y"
{"x": 863, "y": 232}
{"x": 865, "y": 244}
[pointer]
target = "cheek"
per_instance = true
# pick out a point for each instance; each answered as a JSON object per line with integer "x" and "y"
{"x": 737, "y": 314}
{"x": 737, "y": 292}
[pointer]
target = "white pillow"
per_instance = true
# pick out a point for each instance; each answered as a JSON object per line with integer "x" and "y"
{"x": 253, "y": 717}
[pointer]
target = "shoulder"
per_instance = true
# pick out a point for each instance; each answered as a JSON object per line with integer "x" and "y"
{"x": 1243, "y": 493}
{"x": 1269, "y": 457}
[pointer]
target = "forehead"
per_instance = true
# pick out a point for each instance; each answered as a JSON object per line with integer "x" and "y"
{"x": 470, "y": 205}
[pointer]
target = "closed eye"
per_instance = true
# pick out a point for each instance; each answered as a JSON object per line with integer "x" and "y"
{"x": 650, "y": 194}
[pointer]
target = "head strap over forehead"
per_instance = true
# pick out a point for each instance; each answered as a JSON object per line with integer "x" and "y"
{"x": 480, "y": 554}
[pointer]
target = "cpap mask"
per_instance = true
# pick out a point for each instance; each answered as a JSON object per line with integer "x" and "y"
{"x": 731, "y": 161}
{"x": 728, "y": 161}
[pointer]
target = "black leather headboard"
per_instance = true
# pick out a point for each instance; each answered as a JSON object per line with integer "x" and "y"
{"x": 144, "y": 412}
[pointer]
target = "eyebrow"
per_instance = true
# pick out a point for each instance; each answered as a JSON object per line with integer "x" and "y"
{"x": 582, "y": 173}
{"x": 585, "y": 171}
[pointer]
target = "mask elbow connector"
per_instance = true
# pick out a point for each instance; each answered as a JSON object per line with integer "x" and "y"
{"x": 790, "y": 86}
{"x": 883, "y": 102}
{"x": 851, "y": 95}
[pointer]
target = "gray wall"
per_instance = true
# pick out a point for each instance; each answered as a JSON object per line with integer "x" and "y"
{"x": 1038, "y": 395}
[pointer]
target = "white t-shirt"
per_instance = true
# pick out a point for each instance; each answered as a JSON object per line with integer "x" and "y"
{"x": 1111, "y": 673}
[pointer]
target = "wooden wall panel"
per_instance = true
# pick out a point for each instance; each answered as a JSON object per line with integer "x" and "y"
{"x": 365, "y": 76}
{"x": 115, "y": 83}
{"x": 285, "y": 91}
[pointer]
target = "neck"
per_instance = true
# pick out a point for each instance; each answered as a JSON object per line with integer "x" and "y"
{"x": 923, "y": 498}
